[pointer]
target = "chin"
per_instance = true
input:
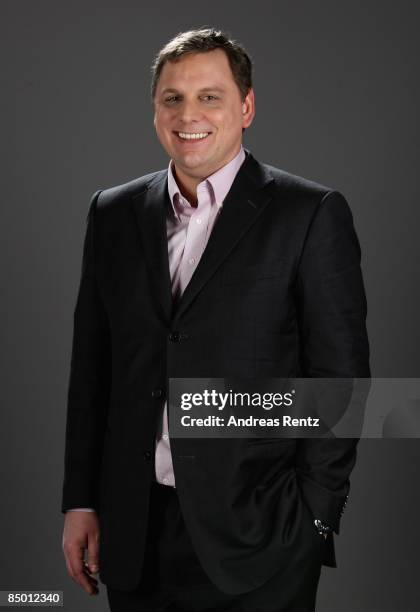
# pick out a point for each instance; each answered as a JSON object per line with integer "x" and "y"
{"x": 192, "y": 161}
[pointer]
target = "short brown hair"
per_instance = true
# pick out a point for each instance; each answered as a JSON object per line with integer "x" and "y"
{"x": 202, "y": 41}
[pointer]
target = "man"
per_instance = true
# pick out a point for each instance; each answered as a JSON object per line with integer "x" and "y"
{"x": 218, "y": 266}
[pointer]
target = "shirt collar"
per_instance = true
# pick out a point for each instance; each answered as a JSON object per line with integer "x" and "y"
{"x": 220, "y": 181}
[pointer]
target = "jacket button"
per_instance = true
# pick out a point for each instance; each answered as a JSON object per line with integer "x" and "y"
{"x": 157, "y": 393}
{"x": 147, "y": 455}
{"x": 174, "y": 336}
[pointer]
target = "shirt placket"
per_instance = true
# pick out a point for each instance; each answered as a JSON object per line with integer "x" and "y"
{"x": 195, "y": 241}
{"x": 196, "y": 236}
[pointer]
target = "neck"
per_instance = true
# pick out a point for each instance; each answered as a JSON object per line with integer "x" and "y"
{"x": 187, "y": 185}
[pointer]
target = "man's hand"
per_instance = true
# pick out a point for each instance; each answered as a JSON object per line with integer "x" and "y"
{"x": 81, "y": 532}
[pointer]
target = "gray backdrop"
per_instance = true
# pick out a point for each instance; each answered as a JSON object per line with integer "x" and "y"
{"x": 336, "y": 96}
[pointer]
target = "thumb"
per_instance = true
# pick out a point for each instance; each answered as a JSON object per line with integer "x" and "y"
{"x": 93, "y": 554}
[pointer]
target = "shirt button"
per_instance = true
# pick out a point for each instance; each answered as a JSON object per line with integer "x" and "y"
{"x": 147, "y": 455}
{"x": 191, "y": 260}
{"x": 165, "y": 481}
{"x": 165, "y": 437}
{"x": 198, "y": 221}
{"x": 157, "y": 393}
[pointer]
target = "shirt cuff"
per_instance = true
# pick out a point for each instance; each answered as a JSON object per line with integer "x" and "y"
{"x": 81, "y": 510}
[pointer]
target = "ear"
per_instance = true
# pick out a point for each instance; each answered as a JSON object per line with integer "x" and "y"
{"x": 248, "y": 108}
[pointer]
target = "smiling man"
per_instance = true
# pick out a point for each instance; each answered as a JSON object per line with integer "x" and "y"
{"x": 200, "y": 113}
{"x": 217, "y": 266}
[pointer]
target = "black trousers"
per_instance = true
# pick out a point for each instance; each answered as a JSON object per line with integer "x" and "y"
{"x": 174, "y": 581}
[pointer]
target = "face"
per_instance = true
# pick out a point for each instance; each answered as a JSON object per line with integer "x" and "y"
{"x": 199, "y": 114}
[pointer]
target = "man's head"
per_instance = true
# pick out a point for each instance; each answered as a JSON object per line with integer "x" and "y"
{"x": 203, "y": 100}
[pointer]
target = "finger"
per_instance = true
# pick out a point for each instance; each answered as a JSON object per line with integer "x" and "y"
{"x": 76, "y": 569}
{"x": 86, "y": 582}
{"x": 74, "y": 558}
{"x": 91, "y": 573}
{"x": 91, "y": 578}
{"x": 93, "y": 554}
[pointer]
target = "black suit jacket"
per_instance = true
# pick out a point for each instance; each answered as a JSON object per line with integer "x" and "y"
{"x": 278, "y": 292}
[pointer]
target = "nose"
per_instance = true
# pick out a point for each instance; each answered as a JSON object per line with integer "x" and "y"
{"x": 190, "y": 111}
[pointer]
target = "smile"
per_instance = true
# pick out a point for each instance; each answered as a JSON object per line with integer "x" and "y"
{"x": 192, "y": 135}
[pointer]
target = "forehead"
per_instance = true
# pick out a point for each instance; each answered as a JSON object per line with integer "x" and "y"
{"x": 202, "y": 69}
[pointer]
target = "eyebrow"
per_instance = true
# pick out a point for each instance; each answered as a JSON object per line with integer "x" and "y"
{"x": 173, "y": 90}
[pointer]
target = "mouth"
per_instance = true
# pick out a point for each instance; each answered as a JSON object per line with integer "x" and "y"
{"x": 191, "y": 137}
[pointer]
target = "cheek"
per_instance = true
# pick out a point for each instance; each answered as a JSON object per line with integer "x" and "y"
{"x": 217, "y": 117}
{"x": 229, "y": 120}
{"x": 162, "y": 120}
{"x": 164, "y": 134}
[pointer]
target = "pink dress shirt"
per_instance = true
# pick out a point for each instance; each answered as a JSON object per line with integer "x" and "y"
{"x": 188, "y": 229}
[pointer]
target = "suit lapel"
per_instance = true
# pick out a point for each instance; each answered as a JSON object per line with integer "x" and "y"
{"x": 242, "y": 206}
{"x": 150, "y": 207}
{"x": 247, "y": 198}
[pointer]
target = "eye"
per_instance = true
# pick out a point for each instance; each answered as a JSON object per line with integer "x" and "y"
{"x": 210, "y": 97}
{"x": 171, "y": 99}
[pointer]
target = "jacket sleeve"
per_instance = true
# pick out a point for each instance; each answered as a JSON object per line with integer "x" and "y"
{"x": 332, "y": 312}
{"x": 89, "y": 385}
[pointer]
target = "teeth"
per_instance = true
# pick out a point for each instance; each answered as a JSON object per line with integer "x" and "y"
{"x": 189, "y": 136}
